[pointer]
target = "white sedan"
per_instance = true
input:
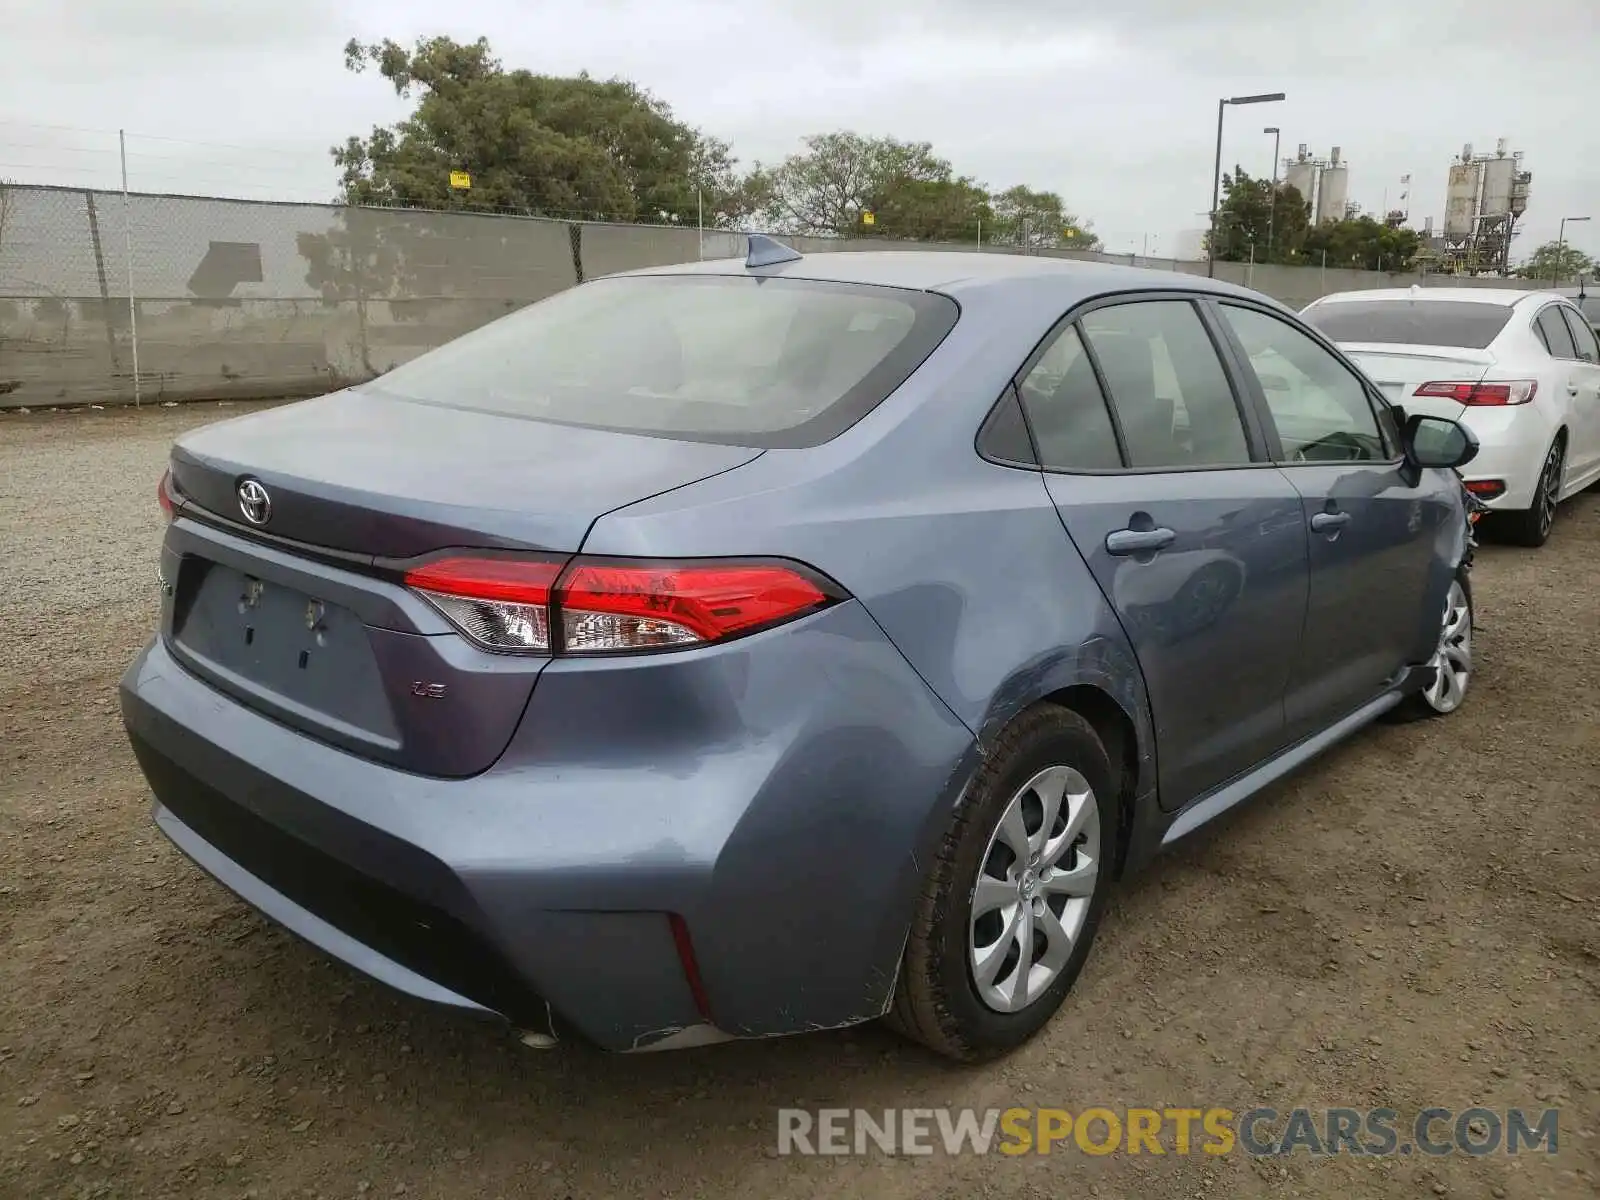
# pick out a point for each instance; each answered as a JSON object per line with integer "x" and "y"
{"x": 1521, "y": 369}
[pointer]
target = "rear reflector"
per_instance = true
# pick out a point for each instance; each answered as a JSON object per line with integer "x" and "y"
{"x": 690, "y": 965}
{"x": 610, "y": 606}
{"x": 1486, "y": 489}
{"x": 1515, "y": 391}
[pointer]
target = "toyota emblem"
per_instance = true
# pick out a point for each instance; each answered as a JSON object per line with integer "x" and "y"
{"x": 254, "y": 502}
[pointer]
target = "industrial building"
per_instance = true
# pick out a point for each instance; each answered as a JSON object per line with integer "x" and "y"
{"x": 1485, "y": 196}
{"x": 1324, "y": 184}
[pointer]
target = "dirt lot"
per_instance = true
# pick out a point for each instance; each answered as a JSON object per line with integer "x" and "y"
{"x": 1410, "y": 922}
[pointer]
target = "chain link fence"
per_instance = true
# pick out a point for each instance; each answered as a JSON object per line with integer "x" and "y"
{"x": 112, "y": 298}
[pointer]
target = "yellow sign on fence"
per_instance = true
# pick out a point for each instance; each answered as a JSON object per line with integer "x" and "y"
{"x": 868, "y": 218}
{"x": 460, "y": 179}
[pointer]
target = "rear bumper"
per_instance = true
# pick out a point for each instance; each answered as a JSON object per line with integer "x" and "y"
{"x": 277, "y": 905}
{"x": 1512, "y": 444}
{"x": 777, "y": 794}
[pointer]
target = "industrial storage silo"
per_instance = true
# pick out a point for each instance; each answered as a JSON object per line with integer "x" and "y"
{"x": 1302, "y": 176}
{"x": 1498, "y": 176}
{"x": 1461, "y": 197}
{"x": 1333, "y": 190}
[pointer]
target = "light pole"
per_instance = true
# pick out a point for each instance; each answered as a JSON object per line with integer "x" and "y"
{"x": 1216, "y": 170}
{"x": 1561, "y": 248}
{"x": 1272, "y": 200}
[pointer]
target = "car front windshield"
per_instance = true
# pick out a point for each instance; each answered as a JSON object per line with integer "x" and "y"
{"x": 745, "y": 359}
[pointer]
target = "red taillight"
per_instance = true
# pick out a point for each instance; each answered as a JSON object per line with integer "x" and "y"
{"x": 516, "y": 580}
{"x": 614, "y": 606}
{"x": 1515, "y": 391}
{"x": 164, "y": 495}
{"x": 607, "y": 606}
{"x": 1486, "y": 489}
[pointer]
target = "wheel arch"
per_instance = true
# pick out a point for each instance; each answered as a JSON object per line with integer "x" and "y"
{"x": 1561, "y": 436}
{"x": 1100, "y": 679}
{"x": 1120, "y": 737}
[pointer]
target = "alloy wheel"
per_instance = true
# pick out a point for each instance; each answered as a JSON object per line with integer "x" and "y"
{"x": 1452, "y": 661}
{"x": 1550, "y": 487}
{"x": 1034, "y": 889}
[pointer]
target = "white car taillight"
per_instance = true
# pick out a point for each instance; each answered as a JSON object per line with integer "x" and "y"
{"x": 530, "y": 605}
{"x": 1513, "y": 391}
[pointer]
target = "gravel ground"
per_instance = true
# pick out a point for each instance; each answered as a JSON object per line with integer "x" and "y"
{"x": 1411, "y": 921}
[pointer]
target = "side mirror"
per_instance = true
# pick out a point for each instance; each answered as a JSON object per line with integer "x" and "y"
{"x": 1439, "y": 442}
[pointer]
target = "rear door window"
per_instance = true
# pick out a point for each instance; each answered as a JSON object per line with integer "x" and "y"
{"x": 1553, "y": 332}
{"x": 1582, "y": 335}
{"x": 745, "y": 360}
{"x": 1066, "y": 409}
{"x": 1172, "y": 398}
{"x": 1467, "y": 324}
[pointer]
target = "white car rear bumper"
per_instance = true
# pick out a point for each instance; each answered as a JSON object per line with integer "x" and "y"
{"x": 1513, "y": 442}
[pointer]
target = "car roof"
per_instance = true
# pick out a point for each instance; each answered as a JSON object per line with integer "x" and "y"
{"x": 1476, "y": 295}
{"x": 966, "y": 274}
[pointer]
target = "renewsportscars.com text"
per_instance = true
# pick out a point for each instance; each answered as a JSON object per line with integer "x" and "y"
{"x": 1260, "y": 1131}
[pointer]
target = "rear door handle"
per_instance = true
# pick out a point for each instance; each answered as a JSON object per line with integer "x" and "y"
{"x": 1139, "y": 541}
{"x": 1324, "y": 521}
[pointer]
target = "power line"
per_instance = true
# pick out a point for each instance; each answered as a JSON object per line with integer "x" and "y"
{"x": 262, "y": 147}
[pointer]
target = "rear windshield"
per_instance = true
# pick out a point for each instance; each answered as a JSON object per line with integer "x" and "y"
{"x": 746, "y": 360}
{"x": 1461, "y": 323}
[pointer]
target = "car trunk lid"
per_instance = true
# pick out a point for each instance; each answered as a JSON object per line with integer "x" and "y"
{"x": 303, "y": 618}
{"x": 392, "y": 478}
{"x": 1399, "y": 370}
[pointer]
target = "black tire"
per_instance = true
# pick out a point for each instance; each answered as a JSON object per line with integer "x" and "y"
{"x": 936, "y": 1001}
{"x": 1417, "y": 707}
{"x": 1531, "y": 526}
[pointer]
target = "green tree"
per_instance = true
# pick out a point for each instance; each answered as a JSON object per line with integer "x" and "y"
{"x": 826, "y": 189}
{"x": 1555, "y": 262}
{"x": 931, "y": 210}
{"x": 1252, "y": 219}
{"x": 1362, "y": 243}
{"x": 1256, "y": 222}
{"x": 1038, "y": 221}
{"x": 531, "y": 143}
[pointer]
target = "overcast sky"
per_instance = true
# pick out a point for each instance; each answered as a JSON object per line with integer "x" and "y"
{"x": 1111, "y": 104}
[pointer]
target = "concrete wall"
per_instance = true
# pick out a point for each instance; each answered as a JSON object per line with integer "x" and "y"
{"x": 244, "y": 298}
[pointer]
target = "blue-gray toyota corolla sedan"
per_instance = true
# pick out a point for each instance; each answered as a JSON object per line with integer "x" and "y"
{"x": 768, "y": 645}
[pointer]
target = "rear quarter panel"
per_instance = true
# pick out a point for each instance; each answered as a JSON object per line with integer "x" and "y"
{"x": 963, "y": 563}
